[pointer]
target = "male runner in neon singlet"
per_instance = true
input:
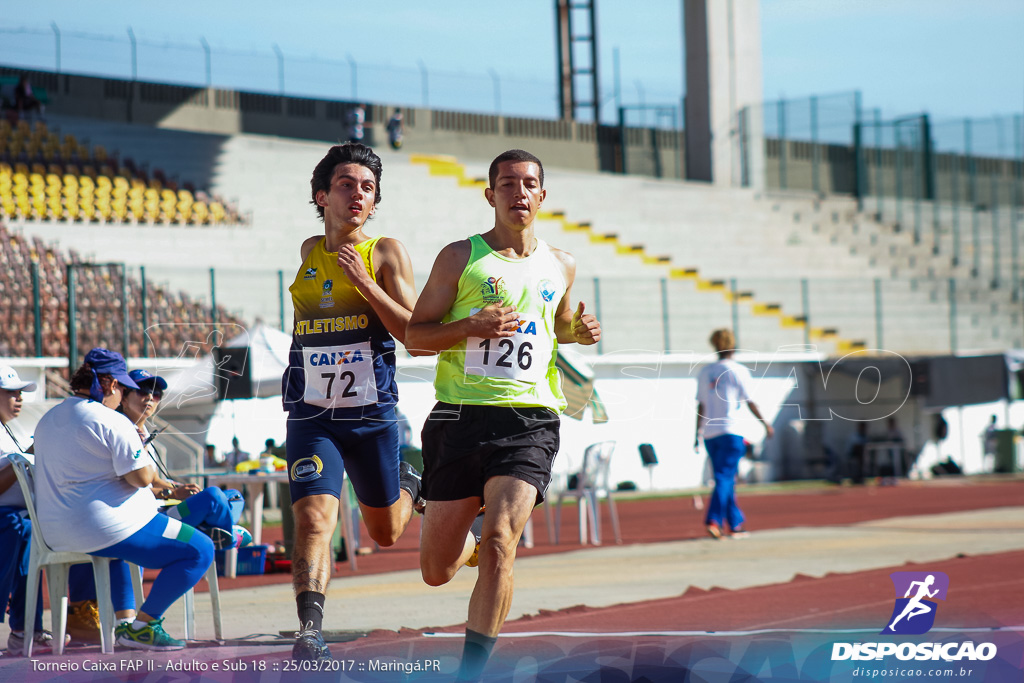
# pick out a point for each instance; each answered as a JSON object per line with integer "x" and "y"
{"x": 352, "y": 296}
{"x": 496, "y": 307}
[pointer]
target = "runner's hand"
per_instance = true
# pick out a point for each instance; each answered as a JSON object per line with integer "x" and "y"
{"x": 585, "y": 328}
{"x": 352, "y": 263}
{"x": 494, "y": 321}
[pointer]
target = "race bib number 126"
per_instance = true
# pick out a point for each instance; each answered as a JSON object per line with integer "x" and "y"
{"x": 523, "y": 356}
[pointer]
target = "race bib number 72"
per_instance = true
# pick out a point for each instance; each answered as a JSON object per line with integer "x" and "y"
{"x": 339, "y": 376}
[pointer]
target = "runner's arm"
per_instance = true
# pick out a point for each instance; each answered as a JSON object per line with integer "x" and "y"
{"x": 427, "y": 335}
{"x": 573, "y": 326}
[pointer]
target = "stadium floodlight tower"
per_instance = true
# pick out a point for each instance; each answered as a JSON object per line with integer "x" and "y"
{"x": 723, "y": 106}
{"x": 576, "y": 24}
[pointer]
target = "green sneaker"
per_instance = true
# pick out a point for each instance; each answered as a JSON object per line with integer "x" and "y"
{"x": 149, "y": 637}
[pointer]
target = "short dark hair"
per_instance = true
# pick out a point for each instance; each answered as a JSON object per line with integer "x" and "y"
{"x": 513, "y": 155}
{"x": 81, "y": 380}
{"x": 347, "y": 153}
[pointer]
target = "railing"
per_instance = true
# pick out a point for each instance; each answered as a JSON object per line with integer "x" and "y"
{"x": 942, "y": 314}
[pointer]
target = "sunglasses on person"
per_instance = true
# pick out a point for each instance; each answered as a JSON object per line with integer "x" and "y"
{"x": 157, "y": 394}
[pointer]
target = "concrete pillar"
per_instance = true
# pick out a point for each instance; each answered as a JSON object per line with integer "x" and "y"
{"x": 723, "y": 77}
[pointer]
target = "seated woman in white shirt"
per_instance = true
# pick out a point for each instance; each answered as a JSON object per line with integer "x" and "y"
{"x": 92, "y": 481}
{"x": 213, "y": 511}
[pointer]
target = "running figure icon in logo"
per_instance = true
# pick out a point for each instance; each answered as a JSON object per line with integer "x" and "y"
{"x": 923, "y": 585}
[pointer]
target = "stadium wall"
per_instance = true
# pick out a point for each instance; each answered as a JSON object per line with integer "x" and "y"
{"x": 574, "y": 146}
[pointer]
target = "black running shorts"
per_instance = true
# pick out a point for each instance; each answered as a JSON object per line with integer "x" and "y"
{"x": 464, "y": 446}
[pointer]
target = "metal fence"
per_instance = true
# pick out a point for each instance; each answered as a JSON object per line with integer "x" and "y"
{"x": 166, "y": 312}
{"x": 274, "y": 71}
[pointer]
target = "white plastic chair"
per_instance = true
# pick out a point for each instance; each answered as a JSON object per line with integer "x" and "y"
{"x": 189, "y": 600}
{"x": 57, "y": 565}
{"x": 591, "y": 485}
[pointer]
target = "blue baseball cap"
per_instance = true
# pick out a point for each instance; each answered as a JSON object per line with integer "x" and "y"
{"x": 107, "y": 362}
{"x": 147, "y": 377}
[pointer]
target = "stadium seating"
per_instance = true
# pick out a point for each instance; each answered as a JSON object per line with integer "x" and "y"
{"x": 98, "y": 302}
{"x": 46, "y": 177}
{"x": 663, "y": 262}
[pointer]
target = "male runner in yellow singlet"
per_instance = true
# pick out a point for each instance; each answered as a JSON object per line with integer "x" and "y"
{"x": 496, "y": 307}
{"x": 352, "y": 295}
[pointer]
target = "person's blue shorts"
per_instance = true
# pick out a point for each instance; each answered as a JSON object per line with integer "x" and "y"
{"x": 321, "y": 451}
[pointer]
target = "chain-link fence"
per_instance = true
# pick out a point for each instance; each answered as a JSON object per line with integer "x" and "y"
{"x": 167, "y": 312}
{"x": 274, "y": 71}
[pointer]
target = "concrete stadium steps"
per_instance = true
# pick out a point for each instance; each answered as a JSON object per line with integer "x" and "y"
{"x": 768, "y": 244}
{"x": 184, "y": 156}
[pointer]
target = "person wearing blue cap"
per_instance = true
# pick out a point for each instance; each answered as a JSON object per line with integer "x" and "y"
{"x": 92, "y": 476}
{"x": 213, "y": 511}
{"x": 15, "y": 525}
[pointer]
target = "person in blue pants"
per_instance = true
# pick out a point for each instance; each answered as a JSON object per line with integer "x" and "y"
{"x": 92, "y": 493}
{"x": 213, "y": 511}
{"x": 723, "y": 387}
{"x": 15, "y": 525}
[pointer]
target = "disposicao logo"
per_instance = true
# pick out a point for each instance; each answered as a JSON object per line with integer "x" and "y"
{"x": 914, "y": 614}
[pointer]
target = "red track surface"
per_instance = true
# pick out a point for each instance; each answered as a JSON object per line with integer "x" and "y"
{"x": 674, "y": 519}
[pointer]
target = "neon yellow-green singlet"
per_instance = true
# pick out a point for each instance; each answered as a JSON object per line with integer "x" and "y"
{"x": 510, "y": 371}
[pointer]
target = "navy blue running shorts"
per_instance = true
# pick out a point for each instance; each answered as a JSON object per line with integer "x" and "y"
{"x": 321, "y": 451}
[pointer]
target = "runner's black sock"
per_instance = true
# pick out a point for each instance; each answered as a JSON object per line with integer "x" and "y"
{"x": 475, "y": 653}
{"x": 311, "y": 609}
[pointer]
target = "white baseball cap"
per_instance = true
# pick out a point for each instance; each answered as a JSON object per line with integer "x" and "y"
{"x": 9, "y": 380}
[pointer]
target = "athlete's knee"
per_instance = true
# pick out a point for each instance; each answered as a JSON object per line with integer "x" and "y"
{"x": 436, "y": 573}
{"x": 313, "y": 519}
{"x": 384, "y": 532}
{"x": 498, "y": 550}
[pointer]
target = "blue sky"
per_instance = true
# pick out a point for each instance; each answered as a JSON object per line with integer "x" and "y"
{"x": 949, "y": 57}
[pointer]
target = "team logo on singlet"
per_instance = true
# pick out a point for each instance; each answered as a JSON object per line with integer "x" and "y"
{"x": 310, "y": 274}
{"x": 547, "y": 290}
{"x": 493, "y": 290}
{"x": 326, "y": 300}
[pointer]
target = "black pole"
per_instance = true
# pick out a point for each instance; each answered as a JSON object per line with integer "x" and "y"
{"x": 72, "y": 321}
{"x": 125, "y": 328}
{"x": 145, "y": 314}
{"x": 37, "y": 313}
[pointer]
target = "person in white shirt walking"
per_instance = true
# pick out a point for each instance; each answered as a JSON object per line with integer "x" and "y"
{"x": 722, "y": 390}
